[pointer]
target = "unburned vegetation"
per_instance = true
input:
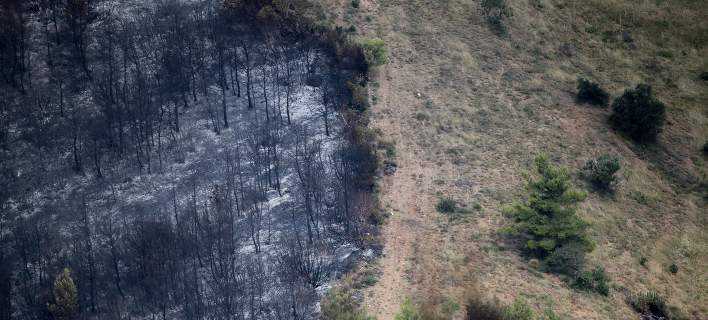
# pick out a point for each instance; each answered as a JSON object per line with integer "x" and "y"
{"x": 470, "y": 108}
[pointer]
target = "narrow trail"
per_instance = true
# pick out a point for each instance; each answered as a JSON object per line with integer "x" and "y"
{"x": 405, "y": 195}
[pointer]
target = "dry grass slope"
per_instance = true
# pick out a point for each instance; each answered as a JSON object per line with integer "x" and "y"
{"x": 469, "y": 110}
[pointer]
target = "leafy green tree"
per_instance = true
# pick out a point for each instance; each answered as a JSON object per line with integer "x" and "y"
{"x": 66, "y": 302}
{"x": 547, "y": 221}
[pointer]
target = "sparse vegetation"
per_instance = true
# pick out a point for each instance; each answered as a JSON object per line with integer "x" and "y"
{"x": 339, "y": 304}
{"x": 600, "y": 172}
{"x": 638, "y": 114}
{"x": 482, "y": 309}
{"x": 590, "y": 92}
{"x": 409, "y": 311}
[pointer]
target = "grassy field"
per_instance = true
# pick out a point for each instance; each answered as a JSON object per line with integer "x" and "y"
{"x": 469, "y": 109}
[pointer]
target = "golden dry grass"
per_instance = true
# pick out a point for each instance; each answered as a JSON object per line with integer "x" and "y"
{"x": 469, "y": 110}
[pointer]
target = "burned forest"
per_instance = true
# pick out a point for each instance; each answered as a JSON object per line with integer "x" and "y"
{"x": 178, "y": 159}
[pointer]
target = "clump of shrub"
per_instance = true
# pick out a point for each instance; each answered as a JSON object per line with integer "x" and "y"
{"x": 375, "y": 52}
{"x": 359, "y": 96}
{"x": 590, "y": 92}
{"x": 339, "y": 304}
{"x": 446, "y": 205}
{"x": 595, "y": 280}
{"x": 355, "y": 4}
{"x": 408, "y": 312}
{"x": 481, "y": 309}
{"x": 650, "y": 305}
{"x": 673, "y": 268}
{"x": 496, "y": 11}
{"x": 638, "y": 114}
{"x": 600, "y": 172}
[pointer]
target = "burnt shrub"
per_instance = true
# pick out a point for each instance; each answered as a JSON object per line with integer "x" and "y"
{"x": 600, "y": 172}
{"x": 638, "y": 114}
{"x": 591, "y": 93}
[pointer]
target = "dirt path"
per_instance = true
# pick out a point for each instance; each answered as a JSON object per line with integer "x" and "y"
{"x": 402, "y": 229}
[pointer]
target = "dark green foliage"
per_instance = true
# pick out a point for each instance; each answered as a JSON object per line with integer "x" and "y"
{"x": 595, "y": 280}
{"x": 705, "y": 149}
{"x": 355, "y": 4}
{"x": 496, "y": 11}
{"x": 375, "y": 52}
{"x": 643, "y": 261}
{"x": 547, "y": 221}
{"x": 478, "y": 309}
{"x": 704, "y": 76}
{"x": 638, "y": 114}
{"x": 600, "y": 172}
{"x": 590, "y": 92}
{"x": 673, "y": 268}
{"x": 568, "y": 260}
{"x": 446, "y": 205}
{"x": 650, "y": 304}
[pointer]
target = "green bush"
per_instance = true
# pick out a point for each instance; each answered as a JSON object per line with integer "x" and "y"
{"x": 590, "y": 92}
{"x": 339, "y": 304}
{"x": 600, "y": 172}
{"x": 673, "y": 268}
{"x": 638, "y": 114}
{"x": 375, "y": 52}
{"x": 595, "y": 280}
{"x": 446, "y": 205}
{"x": 547, "y": 221}
{"x": 409, "y": 312}
{"x": 567, "y": 260}
{"x": 355, "y": 4}
{"x": 519, "y": 310}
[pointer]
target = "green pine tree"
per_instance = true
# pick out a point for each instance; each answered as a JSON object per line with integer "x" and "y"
{"x": 547, "y": 221}
{"x": 66, "y": 302}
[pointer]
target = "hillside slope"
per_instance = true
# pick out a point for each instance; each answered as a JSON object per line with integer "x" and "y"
{"x": 468, "y": 110}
